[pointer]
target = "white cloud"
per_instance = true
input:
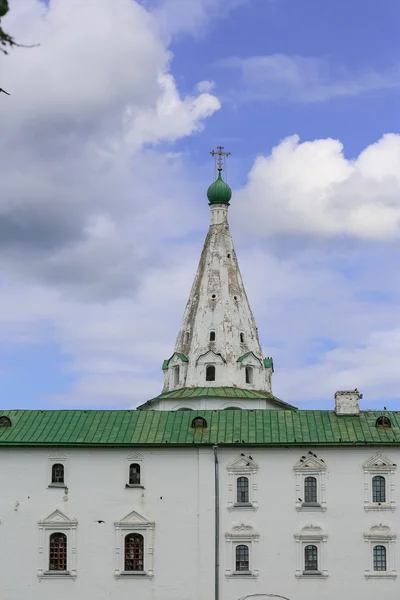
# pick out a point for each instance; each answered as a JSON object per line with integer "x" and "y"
{"x": 303, "y": 79}
{"x": 310, "y": 188}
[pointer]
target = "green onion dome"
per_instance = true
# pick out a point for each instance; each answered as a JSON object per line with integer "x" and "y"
{"x": 219, "y": 192}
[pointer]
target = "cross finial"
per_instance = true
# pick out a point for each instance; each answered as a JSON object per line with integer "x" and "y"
{"x": 220, "y": 156}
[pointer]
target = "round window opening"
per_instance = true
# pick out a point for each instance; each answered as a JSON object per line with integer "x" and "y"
{"x": 235, "y": 297}
{"x": 213, "y": 296}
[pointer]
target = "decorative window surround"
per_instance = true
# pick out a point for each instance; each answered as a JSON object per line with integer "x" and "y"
{"x": 57, "y": 522}
{"x": 57, "y": 458}
{"x": 311, "y": 535}
{"x": 379, "y": 464}
{"x": 243, "y": 466}
{"x": 134, "y": 523}
{"x": 134, "y": 457}
{"x": 380, "y": 535}
{"x": 241, "y": 534}
{"x": 310, "y": 466}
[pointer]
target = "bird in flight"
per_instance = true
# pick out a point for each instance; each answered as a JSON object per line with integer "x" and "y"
{"x": 4, "y": 92}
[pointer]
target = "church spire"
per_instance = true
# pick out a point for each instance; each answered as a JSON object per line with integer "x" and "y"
{"x": 218, "y": 344}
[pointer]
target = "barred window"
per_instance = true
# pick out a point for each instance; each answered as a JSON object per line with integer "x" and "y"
{"x": 311, "y": 558}
{"x": 57, "y": 473}
{"x": 310, "y": 489}
{"x": 58, "y": 552}
{"x": 378, "y": 489}
{"x": 379, "y": 556}
{"x": 242, "y": 558}
{"x": 134, "y": 474}
{"x": 242, "y": 489}
{"x": 134, "y": 552}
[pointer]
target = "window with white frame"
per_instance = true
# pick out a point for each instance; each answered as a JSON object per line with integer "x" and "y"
{"x": 379, "y": 483}
{"x": 134, "y": 470}
{"x": 310, "y": 472}
{"x": 242, "y": 477}
{"x": 311, "y": 552}
{"x": 57, "y": 546}
{"x": 241, "y": 553}
{"x": 134, "y": 546}
{"x": 57, "y": 470}
{"x": 379, "y": 552}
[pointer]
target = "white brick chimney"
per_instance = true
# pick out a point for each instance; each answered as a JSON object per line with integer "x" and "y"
{"x": 346, "y": 402}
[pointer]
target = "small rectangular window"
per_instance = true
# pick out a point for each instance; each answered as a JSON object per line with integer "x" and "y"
{"x": 212, "y": 336}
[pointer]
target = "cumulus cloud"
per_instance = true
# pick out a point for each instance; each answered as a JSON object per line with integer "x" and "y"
{"x": 302, "y": 79}
{"x": 311, "y": 188}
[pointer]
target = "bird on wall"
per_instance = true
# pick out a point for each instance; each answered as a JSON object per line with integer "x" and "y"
{"x": 4, "y": 92}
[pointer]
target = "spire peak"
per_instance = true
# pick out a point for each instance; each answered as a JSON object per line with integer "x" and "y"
{"x": 219, "y": 192}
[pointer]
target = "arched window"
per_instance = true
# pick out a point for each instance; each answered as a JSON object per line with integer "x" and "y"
{"x": 57, "y": 473}
{"x": 212, "y": 336}
{"x": 383, "y": 422}
{"x": 249, "y": 374}
{"x": 378, "y": 489}
{"x": 58, "y": 552}
{"x": 242, "y": 490}
{"x": 310, "y": 490}
{"x": 134, "y": 474}
{"x": 379, "y": 557}
{"x": 311, "y": 558}
{"x": 242, "y": 338}
{"x": 134, "y": 552}
{"x": 176, "y": 375}
{"x": 199, "y": 422}
{"x": 5, "y": 422}
{"x": 242, "y": 558}
{"x": 210, "y": 373}
{"x": 184, "y": 408}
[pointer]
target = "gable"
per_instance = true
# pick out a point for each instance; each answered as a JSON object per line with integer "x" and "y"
{"x": 133, "y": 519}
{"x": 249, "y": 359}
{"x": 310, "y": 462}
{"x": 134, "y": 456}
{"x": 57, "y": 517}
{"x": 379, "y": 461}
{"x": 210, "y": 357}
{"x": 243, "y": 463}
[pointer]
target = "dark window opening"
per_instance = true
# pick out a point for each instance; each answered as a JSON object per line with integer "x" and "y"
{"x": 5, "y": 422}
{"x": 310, "y": 490}
{"x": 383, "y": 422}
{"x": 134, "y": 474}
{"x": 58, "y": 552}
{"x": 249, "y": 375}
{"x": 134, "y": 552}
{"x": 199, "y": 422}
{"x": 176, "y": 375}
{"x": 184, "y": 408}
{"x": 378, "y": 489}
{"x": 228, "y": 255}
{"x": 210, "y": 373}
{"x": 379, "y": 556}
{"x": 187, "y": 336}
{"x": 242, "y": 338}
{"x": 212, "y": 336}
{"x": 235, "y": 297}
{"x": 242, "y": 490}
{"x": 242, "y": 558}
{"x": 213, "y": 296}
{"x": 232, "y": 408}
{"x": 57, "y": 473}
{"x": 311, "y": 558}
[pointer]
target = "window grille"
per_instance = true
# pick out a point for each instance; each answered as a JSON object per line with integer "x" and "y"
{"x": 134, "y": 552}
{"x": 378, "y": 489}
{"x": 242, "y": 487}
{"x": 310, "y": 489}
{"x": 383, "y": 422}
{"x": 134, "y": 474}
{"x": 242, "y": 558}
{"x": 58, "y": 552}
{"x": 57, "y": 473}
{"x": 379, "y": 556}
{"x": 311, "y": 558}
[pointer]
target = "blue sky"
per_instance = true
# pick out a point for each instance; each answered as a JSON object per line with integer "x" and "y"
{"x": 103, "y": 213}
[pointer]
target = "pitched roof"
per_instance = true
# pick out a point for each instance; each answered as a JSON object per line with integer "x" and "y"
{"x": 226, "y": 427}
{"x": 232, "y": 393}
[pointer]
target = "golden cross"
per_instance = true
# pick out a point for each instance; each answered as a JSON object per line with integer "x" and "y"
{"x": 220, "y": 154}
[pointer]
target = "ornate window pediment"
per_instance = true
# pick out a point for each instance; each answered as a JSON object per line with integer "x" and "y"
{"x": 57, "y": 522}
{"x": 250, "y": 359}
{"x": 210, "y": 357}
{"x": 310, "y": 474}
{"x": 242, "y": 477}
{"x": 379, "y": 483}
{"x": 380, "y": 559}
{"x": 241, "y": 546}
{"x": 134, "y": 523}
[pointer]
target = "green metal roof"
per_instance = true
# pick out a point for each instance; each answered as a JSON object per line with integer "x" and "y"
{"x": 232, "y": 393}
{"x": 241, "y": 358}
{"x": 166, "y": 361}
{"x": 226, "y": 427}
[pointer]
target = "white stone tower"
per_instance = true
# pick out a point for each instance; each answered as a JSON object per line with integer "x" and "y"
{"x": 218, "y": 341}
